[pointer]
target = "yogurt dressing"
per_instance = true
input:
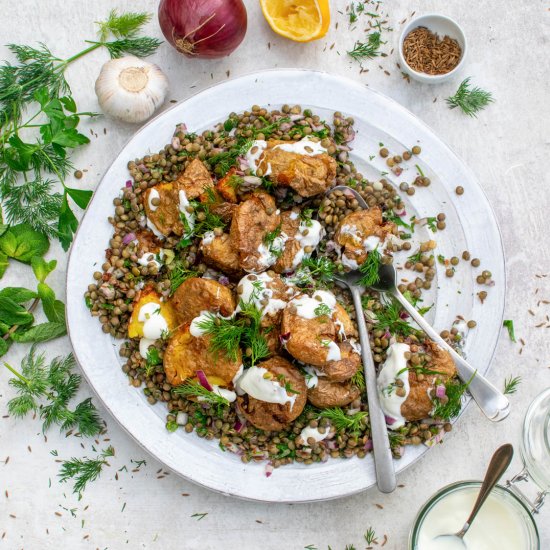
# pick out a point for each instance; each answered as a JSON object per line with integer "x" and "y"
{"x": 394, "y": 368}
{"x": 153, "y": 194}
{"x": 151, "y": 257}
{"x": 497, "y": 525}
{"x": 309, "y": 234}
{"x": 306, "y": 305}
{"x": 208, "y": 237}
{"x": 144, "y": 345}
{"x": 154, "y": 324}
{"x": 333, "y": 353}
{"x": 254, "y": 384}
{"x": 189, "y": 216}
{"x": 254, "y": 153}
{"x": 256, "y": 290}
{"x": 154, "y": 229}
{"x": 308, "y": 432}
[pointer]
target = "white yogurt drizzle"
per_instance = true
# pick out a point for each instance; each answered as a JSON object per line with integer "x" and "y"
{"x": 306, "y": 146}
{"x": 153, "y": 194}
{"x": 144, "y": 345}
{"x": 306, "y": 305}
{"x": 255, "y": 290}
{"x": 355, "y": 345}
{"x": 314, "y": 433}
{"x": 189, "y": 216}
{"x": 312, "y": 377}
{"x": 394, "y": 368}
{"x": 154, "y": 324}
{"x": 257, "y": 386}
{"x": 208, "y": 238}
{"x": 155, "y": 229}
{"x": 152, "y": 257}
{"x": 309, "y": 234}
{"x": 333, "y": 353}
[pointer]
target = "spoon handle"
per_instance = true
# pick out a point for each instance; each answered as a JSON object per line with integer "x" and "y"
{"x": 492, "y": 402}
{"x": 498, "y": 465}
{"x": 383, "y": 462}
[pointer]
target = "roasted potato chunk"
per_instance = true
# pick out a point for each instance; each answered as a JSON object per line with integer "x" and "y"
{"x": 226, "y": 186}
{"x": 186, "y": 354}
{"x": 345, "y": 367}
{"x": 307, "y": 175}
{"x": 418, "y": 404}
{"x": 146, "y": 296}
{"x": 218, "y": 252}
{"x": 196, "y": 294}
{"x": 360, "y": 232}
{"x": 165, "y": 216}
{"x": 274, "y": 416}
{"x": 252, "y": 221}
{"x": 195, "y": 179}
{"x": 332, "y": 394}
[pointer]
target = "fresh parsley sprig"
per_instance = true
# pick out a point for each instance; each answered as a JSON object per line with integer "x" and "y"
{"x": 470, "y": 100}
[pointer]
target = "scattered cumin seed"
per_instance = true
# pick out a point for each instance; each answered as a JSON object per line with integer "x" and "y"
{"x": 13, "y": 516}
{"x": 385, "y": 540}
{"x": 185, "y": 494}
{"x": 379, "y": 506}
{"x": 58, "y": 514}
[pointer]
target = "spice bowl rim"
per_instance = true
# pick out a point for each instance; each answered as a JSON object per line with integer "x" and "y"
{"x": 433, "y": 499}
{"x": 423, "y": 21}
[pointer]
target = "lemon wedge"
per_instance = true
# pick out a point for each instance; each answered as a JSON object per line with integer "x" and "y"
{"x": 299, "y": 20}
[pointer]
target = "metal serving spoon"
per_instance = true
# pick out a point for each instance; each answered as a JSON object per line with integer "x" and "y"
{"x": 498, "y": 465}
{"x": 383, "y": 462}
{"x": 492, "y": 402}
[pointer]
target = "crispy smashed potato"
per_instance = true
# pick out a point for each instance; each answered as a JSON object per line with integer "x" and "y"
{"x": 332, "y": 394}
{"x": 220, "y": 254}
{"x": 418, "y": 404}
{"x": 227, "y": 188}
{"x": 356, "y": 227}
{"x": 166, "y": 215}
{"x": 146, "y": 296}
{"x": 195, "y": 179}
{"x": 252, "y": 221}
{"x": 307, "y": 175}
{"x": 196, "y": 294}
{"x": 273, "y": 416}
{"x": 290, "y": 222}
{"x": 186, "y": 354}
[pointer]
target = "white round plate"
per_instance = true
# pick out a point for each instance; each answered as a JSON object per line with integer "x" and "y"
{"x": 471, "y": 225}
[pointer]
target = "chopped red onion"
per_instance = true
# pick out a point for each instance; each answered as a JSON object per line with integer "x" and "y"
{"x": 440, "y": 391}
{"x": 295, "y": 118}
{"x": 203, "y": 380}
{"x": 176, "y": 144}
{"x": 390, "y": 420}
{"x": 269, "y": 469}
{"x": 128, "y": 238}
{"x": 223, "y": 280}
{"x": 143, "y": 169}
{"x": 403, "y": 315}
{"x": 238, "y": 426}
{"x": 284, "y": 338}
{"x": 368, "y": 445}
{"x": 129, "y": 183}
{"x": 285, "y": 126}
{"x": 181, "y": 127}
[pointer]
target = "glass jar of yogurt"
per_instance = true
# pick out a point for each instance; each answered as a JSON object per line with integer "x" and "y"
{"x": 506, "y": 520}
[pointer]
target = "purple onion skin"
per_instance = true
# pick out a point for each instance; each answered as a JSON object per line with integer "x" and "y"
{"x": 207, "y": 29}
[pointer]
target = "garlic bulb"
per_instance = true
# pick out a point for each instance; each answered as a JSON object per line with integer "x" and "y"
{"x": 130, "y": 89}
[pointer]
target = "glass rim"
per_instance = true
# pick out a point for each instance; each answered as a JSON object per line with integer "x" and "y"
{"x": 438, "y": 495}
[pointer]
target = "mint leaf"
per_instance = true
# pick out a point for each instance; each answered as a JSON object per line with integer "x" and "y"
{"x": 42, "y": 268}
{"x": 17, "y": 294}
{"x": 3, "y": 264}
{"x": 41, "y": 333}
{"x": 4, "y": 346}
{"x": 3, "y": 226}
{"x": 54, "y": 309}
{"x": 21, "y": 242}
{"x": 12, "y": 313}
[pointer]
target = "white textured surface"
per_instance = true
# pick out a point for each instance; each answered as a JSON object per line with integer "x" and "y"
{"x": 506, "y": 147}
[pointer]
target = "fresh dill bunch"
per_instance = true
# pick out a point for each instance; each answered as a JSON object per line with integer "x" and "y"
{"x": 358, "y": 379}
{"x": 84, "y": 470}
{"x": 470, "y": 100}
{"x": 190, "y": 388}
{"x": 178, "y": 274}
{"x": 511, "y": 384}
{"x": 253, "y": 339}
{"x": 354, "y": 423}
{"x": 368, "y": 49}
{"x": 47, "y": 390}
{"x": 225, "y": 334}
{"x": 317, "y": 271}
{"x": 369, "y": 269}
{"x": 454, "y": 390}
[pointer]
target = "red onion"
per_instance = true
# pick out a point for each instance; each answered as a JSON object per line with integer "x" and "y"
{"x": 128, "y": 238}
{"x": 203, "y": 28}
{"x": 268, "y": 469}
{"x": 440, "y": 391}
{"x": 390, "y": 420}
{"x": 368, "y": 445}
{"x": 129, "y": 183}
{"x": 284, "y": 338}
{"x": 203, "y": 380}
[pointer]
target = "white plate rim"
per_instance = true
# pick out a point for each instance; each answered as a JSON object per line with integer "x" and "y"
{"x": 248, "y": 493}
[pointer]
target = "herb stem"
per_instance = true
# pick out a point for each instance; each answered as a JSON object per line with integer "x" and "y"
{"x": 18, "y": 374}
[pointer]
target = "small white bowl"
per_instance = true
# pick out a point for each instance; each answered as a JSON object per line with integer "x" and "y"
{"x": 441, "y": 25}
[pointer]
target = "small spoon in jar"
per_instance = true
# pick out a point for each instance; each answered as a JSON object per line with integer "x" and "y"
{"x": 498, "y": 465}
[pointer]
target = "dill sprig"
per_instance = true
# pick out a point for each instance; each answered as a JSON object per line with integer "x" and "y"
{"x": 190, "y": 388}
{"x": 317, "y": 271}
{"x": 47, "y": 390}
{"x": 358, "y": 379}
{"x": 225, "y": 334}
{"x": 84, "y": 470}
{"x": 354, "y": 423}
{"x": 511, "y": 384}
{"x": 470, "y": 100}
{"x": 390, "y": 317}
{"x": 178, "y": 274}
{"x": 370, "y": 536}
{"x": 368, "y": 49}
{"x": 369, "y": 269}
{"x": 454, "y": 390}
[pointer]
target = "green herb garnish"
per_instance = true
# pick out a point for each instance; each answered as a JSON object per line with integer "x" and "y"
{"x": 368, "y": 49}
{"x": 354, "y": 423}
{"x": 322, "y": 309}
{"x": 369, "y": 269}
{"x": 190, "y": 388}
{"x": 454, "y": 390}
{"x": 511, "y": 384}
{"x": 469, "y": 100}
{"x": 509, "y": 324}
